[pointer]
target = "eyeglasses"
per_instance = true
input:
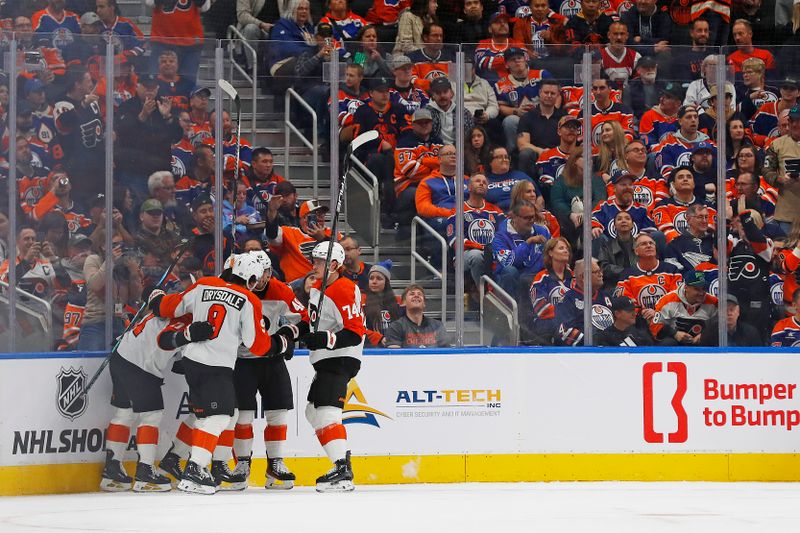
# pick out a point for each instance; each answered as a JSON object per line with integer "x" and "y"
{"x": 531, "y": 218}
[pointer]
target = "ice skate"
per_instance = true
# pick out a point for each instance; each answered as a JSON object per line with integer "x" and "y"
{"x": 278, "y": 476}
{"x": 171, "y": 464}
{"x": 197, "y": 480}
{"x": 225, "y": 479}
{"x": 147, "y": 479}
{"x": 242, "y": 467}
{"x": 115, "y": 478}
{"x": 339, "y": 478}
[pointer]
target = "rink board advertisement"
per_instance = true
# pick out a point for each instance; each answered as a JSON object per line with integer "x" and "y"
{"x": 458, "y": 404}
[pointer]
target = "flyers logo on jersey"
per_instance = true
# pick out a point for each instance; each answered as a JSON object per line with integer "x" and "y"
{"x": 681, "y": 434}
{"x": 356, "y": 409}
{"x": 170, "y": 6}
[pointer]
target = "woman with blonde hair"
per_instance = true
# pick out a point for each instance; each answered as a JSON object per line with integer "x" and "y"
{"x": 524, "y": 190}
{"x": 612, "y": 148}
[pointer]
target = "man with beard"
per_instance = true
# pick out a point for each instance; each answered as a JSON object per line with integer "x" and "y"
{"x": 152, "y": 235}
{"x": 675, "y": 150}
{"x": 622, "y": 200}
{"x": 489, "y": 54}
{"x": 647, "y": 191}
{"x": 203, "y": 244}
{"x": 705, "y": 175}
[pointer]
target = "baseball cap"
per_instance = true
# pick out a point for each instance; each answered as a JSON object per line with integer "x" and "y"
{"x": 617, "y": 177}
{"x": 440, "y": 84}
{"x": 732, "y": 299}
{"x": 794, "y": 112}
{"x": 324, "y": 29}
{"x": 702, "y": 147}
{"x": 693, "y": 278}
{"x": 201, "y": 200}
{"x": 622, "y": 303}
{"x": 79, "y": 239}
{"x": 714, "y": 91}
{"x": 685, "y": 109}
{"x": 377, "y": 84}
{"x": 790, "y": 82}
{"x": 513, "y": 51}
{"x": 568, "y": 119}
{"x": 309, "y": 206}
{"x": 422, "y": 114}
{"x": 33, "y": 85}
{"x": 399, "y": 61}
{"x": 672, "y": 90}
{"x": 90, "y": 17}
{"x": 200, "y": 89}
{"x": 499, "y": 16}
{"x": 148, "y": 80}
{"x": 151, "y": 204}
{"x": 647, "y": 62}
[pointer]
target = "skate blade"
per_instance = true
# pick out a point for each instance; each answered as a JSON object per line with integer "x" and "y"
{"x": 339, "y": 486}
{"x": 277, "y": 484}
{"x": 144, "y": 486}
{"x": 195, "y": 488}
{"x": 239, "y": 485}
{"x": 109, "y": 485}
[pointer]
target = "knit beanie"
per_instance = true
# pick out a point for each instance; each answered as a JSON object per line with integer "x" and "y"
{"x": 384, "y": 267}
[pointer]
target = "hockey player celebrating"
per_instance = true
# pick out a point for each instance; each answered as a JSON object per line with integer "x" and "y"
{"x": 269, "y": 377}
{"x": 136, "y": 376}
{"x": 235, "y": 314}
{"x": 335, "y": 352}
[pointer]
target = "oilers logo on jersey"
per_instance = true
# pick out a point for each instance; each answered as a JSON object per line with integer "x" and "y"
{"x": 612, "y": 229}
{"x": 776, "y": 292}
{"x": 601, "y": 316}
{"x": 178, "y": 167}
{"x": 481, "y": 231}
{"x": 642, "y": 195}
{"x": 650, "y": 294}
{"x": 680, "y": 222}
{"x": 569, "y": 8}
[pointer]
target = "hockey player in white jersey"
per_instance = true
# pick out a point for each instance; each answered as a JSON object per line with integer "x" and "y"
{"x": 235, "y": 314}
{"x": 335, "y": 352}
{"x": 137, "y": 376}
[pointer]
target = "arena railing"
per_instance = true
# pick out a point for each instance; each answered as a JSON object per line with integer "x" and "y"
{"x": 501, "y": 302}
{"x": 290, "y": 128}
{"x": 417, "y": 257}
{"x": 235, "y": 40}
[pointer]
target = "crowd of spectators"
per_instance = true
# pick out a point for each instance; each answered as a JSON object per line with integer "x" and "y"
{"x": 652, "y": 129}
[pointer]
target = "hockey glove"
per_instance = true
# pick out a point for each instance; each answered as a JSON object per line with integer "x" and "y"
{"x": 154, "y": 301}
{"x": 267, "y": 322}
{"x": 290, "y": 330}
{"x": 321, "y": 340}
{"x": 177, "y": 366}
{"x": 281, "y": 345}
{"x": 198, "y": 331}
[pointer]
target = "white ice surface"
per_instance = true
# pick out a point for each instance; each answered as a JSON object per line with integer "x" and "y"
{"x": 464, "y": 508}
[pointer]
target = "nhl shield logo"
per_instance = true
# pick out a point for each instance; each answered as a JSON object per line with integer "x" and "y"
{"x": 70, "y": 400}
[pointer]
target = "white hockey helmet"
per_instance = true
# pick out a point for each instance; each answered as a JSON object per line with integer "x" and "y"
{"x": 247, "y": 267}
{"x": 321, "y": 252}
{"x": 263, "y": 258}
{"x": 229, "y": 261}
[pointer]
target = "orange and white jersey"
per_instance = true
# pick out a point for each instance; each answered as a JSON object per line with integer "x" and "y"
{"x": 341, "y": 309}
{"x": 280, "y": 306}
{"x": 235, "y": 313}
{"x": 140, "y": 345}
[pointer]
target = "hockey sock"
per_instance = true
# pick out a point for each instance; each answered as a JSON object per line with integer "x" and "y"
{"x": 147, "y": 436}
{"x": 243, "y": 434}
{"x": 205, "y": 436}
{"x": 330, "y": 432}
{"x": 225, "y": 442}
{"x": 275, "y": 433}
{"x": 119, "y": 432}
{"x": 183, "y": 438}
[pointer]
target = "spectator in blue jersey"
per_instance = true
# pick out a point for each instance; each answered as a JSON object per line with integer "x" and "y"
{"x": 704, "y": 172}
{"x": 346, "y": 24}
{"x": 569, "y": 312}
{"x": 502, "y": 178}
{"x": 126, "y": 36}
{"x": 604, "y": 213}
{"x": 56, "y": 26}
{"x": 517, "y": 249}
{"x": 403, "y": 91}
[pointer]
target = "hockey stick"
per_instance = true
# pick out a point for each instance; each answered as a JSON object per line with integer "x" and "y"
{"x": 357, "y": 143}
{"x": 233, "y": 94}
{"x": 185, "y": 244}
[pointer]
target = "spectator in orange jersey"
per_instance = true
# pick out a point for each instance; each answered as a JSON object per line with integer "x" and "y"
{"x": 177, "y": 26}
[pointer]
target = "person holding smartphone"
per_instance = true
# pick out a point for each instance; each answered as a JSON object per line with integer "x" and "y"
{"x": 782, "y": 169}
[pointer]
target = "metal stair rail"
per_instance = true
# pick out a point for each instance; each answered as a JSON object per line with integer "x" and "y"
{"x": 503, "y": 303}
{"x": 289, "y": 127}
{"x": 44, "y": 319}
{"x": 361, "y": 174}
{"x": 415, "y": 256}
{"x": 234, "y": 36}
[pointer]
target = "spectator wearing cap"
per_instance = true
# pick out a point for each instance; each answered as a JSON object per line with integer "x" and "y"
{"x": 649, "y": 28}
{"x": 605, "y": 109}
{"x": 551, "y": 161}
{"x": 707, "y": 122}
{"x": 146, "y": 129}
{"x": 479, "y": 96}
{"x": 443, "y": 110}
{"x": 287, "y": 206}
{"x": 413, "y": 329}
{"x": 604, "y": 213}
{"x": 618, "y": 61}
{"x": 517, "y": 92}
{"x": 152, "y": 234}
{"x": 787, "y": 180}
{"x": 161, "y": 186}
{"x": 380, "y": 302}
{"x": 346, "y": 24}
{"x": 404, "y": 90}
{"x": 742, "y": 32}
{"x": 199, "y": 115}
{"x": 170, "y": 83}
{"x": 683, "y": 314}
{"x": 588, "y": 26}
{"x": 415, "y": 158}
{"x": 410, "y": 24}
{"x": 623, "y": 331}
{"x": 661, "y": 119}
{"x": 180, "y": 30}
{"x": 307, "y": 75}
{"x": 354, "y": 268}
{"x": 81, "y": 132}
{"x": 203, "y": 232}
{"x": 705, "y": 174}
{"x": 200, "y": 176}
{"x": 87, "y": 43}
{"x": 34, "y": 91}
{"x": 764, "y": 123}
{"x": 126, "y": 34}
{"x": 699, "y": 90}
{"x": 740, "y": 332}
{"x": 433, "y": 59}
{"x": 293, "y": 245}
{"x": 669, "y": 215}
{"x": 645, "y": 89}
{"x": 696, "y": 247}
{"x": 489, "y": 58}
{"x": 56, "y": 26}
{"x": 753, "y": 92}
{"x": 676, "y": 148}
{"x": 471, "y": 26}
{"x": 749, "y": 269}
